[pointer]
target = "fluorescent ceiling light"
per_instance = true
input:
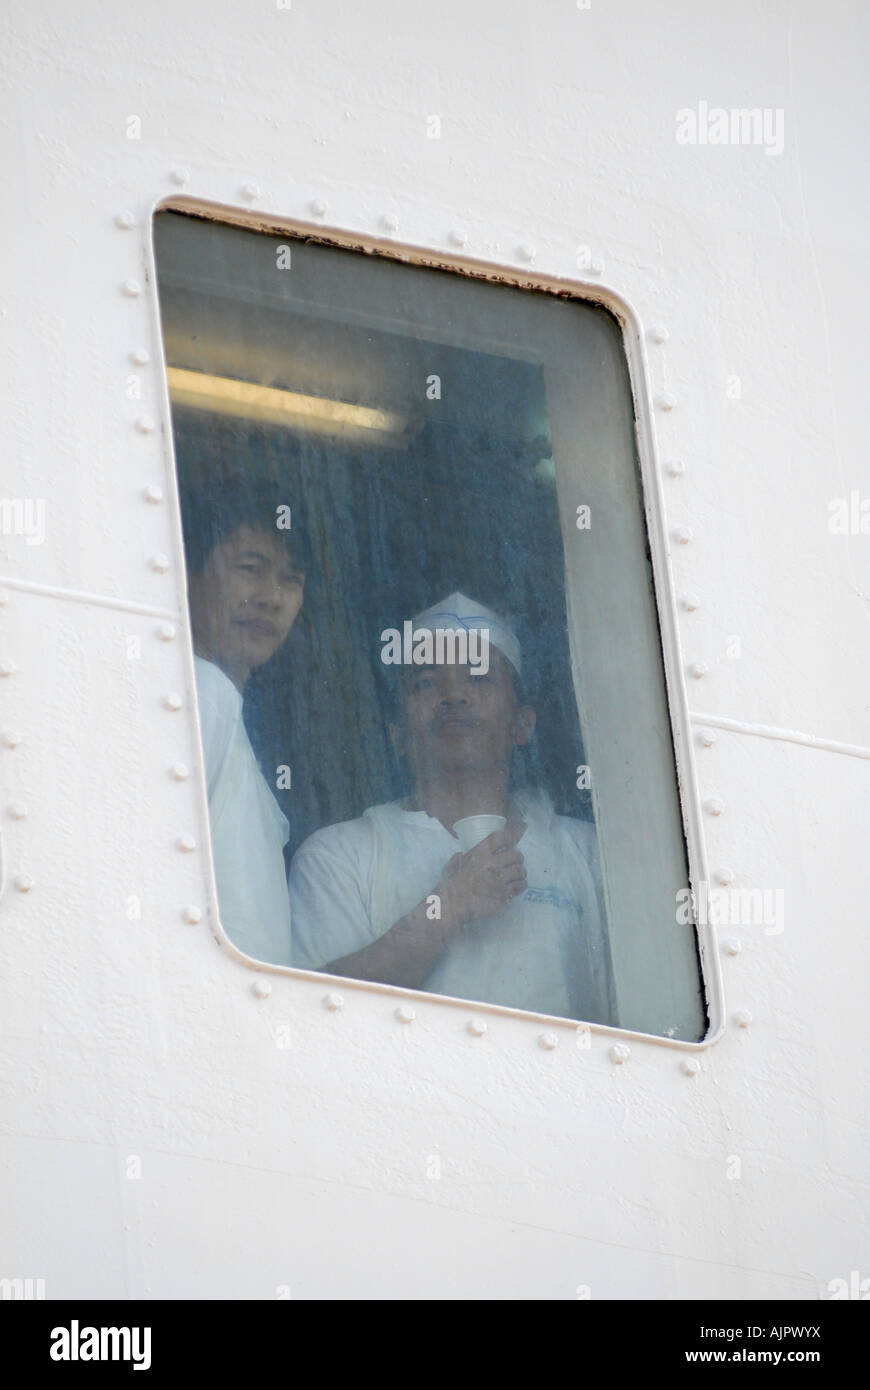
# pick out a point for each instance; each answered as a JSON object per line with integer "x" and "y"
{"x": 226, "y": 396}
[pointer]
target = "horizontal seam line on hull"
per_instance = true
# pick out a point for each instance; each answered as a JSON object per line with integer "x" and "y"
{"x": 146, "y": 610}
{"x": 739, "y": 726}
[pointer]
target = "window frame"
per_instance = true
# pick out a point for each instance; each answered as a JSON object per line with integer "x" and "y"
{"x": 650, "y": 477}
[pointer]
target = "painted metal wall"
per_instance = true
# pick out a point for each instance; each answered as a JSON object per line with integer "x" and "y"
{"x": 177, "y": 1124}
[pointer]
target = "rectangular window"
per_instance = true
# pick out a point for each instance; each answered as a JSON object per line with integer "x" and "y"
{"x": 421, "y": 595}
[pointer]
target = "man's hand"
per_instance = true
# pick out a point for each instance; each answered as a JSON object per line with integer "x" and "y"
{"x": 480, "y": 882}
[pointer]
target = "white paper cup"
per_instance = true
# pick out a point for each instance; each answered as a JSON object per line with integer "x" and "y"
{"x": 472, "y": 829}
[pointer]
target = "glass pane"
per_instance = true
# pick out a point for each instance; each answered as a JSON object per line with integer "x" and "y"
{"x": 378, "y": 463}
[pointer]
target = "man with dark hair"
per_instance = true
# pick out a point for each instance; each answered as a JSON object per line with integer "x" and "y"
{"x": 245, "y": 588}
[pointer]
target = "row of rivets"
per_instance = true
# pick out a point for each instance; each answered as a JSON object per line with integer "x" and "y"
{"x": 405, "y": 1013}
{"x": 145, "y": 424}
{"x": 16, "y": 809}
{"x": 389, "y": 222}
{"x": 683, "y": 534}
{"x": 153, "y": 494}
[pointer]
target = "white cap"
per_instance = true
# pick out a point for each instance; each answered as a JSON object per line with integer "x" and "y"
{"x": 460, "y": 614}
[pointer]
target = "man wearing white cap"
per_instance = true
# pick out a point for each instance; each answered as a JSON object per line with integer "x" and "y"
{"x": 517, "y": 919}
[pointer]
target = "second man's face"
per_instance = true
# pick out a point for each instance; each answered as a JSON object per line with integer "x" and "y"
{"x": 246, "y": 600}
{"x": 454, "y": 720}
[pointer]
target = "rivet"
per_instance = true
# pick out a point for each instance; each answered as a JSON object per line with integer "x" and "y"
{"x": 333, "y": 1002}
{"x": 7, "y": 668}
{"x": 250, "y": 191}
{"x": 145, "y": 424}
{"x": 666, "y": 400}
{"x": 715, "y": 806}
{"x": 17, "y": 810}
{"x": 140, "y": 357}
{"x": 160, "y": 563}
{"x": 619, "y": 1053}
{"x": 173, "y": 701}
{"x": 153, "y": 493}
{"x": 690, "y": 1066}
{"x": 179, "y": 772}
{"x": 179, "y": 175}
{"x": 724, "y": 876}
{"x": 166, "y": 632}
{"x": 658, "y": 334}
{"x": 526, "y": 252}
{"x": 186, "y": 843}
{"x": 682, "y": 534}
{"x": 690, "y": 602}
{"x": 261, "y": 988}
{"x": 192, "y": 915}
{"x": 458, "y": 237}
{"x": 675, "y": 467}
{"x": 125, "y": 220}
{"x": 131, "y": 288}
{"x": 390, "y": 222}
{"x": 318, "y": 206}
{"x": 476, "y": 1027}
{"x": 24, "y": 883}
{"x": 732, "y": 946}
{"x": 706, "y": 738}
{"x": 743, "y": 1018}
{"x": 548, "y": 1041}
{"x": 699, "y": 669}
{"x": 11, "y": 738}
{"x": 405, "y": 1014}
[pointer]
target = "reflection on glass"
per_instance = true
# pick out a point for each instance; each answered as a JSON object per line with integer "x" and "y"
{"x": 435, "y": 455}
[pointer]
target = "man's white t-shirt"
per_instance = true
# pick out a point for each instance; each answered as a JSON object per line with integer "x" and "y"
{"x": 248, "y": 829}
{"x": 545, "y": 951}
